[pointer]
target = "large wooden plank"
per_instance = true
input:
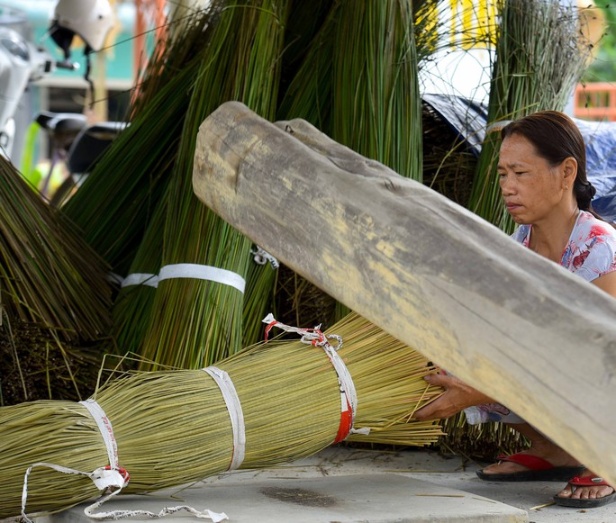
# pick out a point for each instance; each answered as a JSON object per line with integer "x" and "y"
{"x": 516, "y": 326}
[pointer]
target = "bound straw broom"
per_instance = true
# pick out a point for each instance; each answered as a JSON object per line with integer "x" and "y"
{"x": 176, "y": 427}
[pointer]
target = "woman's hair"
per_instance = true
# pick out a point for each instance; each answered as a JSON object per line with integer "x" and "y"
{"x": 555, "y": 138}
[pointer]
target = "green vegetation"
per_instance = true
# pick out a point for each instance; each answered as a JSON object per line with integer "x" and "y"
{"x": 603, "y": 69}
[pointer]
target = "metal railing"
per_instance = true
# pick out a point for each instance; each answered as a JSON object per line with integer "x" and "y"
{"x": 596, "y": 101}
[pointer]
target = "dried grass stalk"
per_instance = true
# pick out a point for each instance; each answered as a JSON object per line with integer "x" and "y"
{"x": 48, "y": 275}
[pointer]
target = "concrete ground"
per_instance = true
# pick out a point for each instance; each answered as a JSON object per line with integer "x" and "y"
{"x": 344, "y": 485}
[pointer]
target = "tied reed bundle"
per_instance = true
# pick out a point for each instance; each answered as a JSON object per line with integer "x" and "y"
{"x": 174, "y": 427}
{"x": 199, "y": 302}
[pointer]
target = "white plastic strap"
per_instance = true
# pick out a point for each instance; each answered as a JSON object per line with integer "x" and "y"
{"x": 216, "y": 517}
{"x": 232, "y": 401}
{"x": 346, "y": 381}
{"x": 202, "y": 272}
{"x": 105, "y": 478}
{"x": 95, "y": 476}
{"x": 139, "y": 278}
{"x": 105, "y": 428}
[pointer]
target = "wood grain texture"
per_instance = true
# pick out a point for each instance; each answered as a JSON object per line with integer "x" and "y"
{"x": 434, "y": 275}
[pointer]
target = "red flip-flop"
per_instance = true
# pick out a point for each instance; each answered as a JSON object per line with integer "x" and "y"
{"x": 587, "y": 481}
{"x": 539, "y": 469}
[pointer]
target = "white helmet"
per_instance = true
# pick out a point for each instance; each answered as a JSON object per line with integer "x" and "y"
{"x": 90, "y": 19}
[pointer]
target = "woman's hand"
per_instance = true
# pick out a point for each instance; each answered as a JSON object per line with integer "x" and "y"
{"x": 456, "y": 396}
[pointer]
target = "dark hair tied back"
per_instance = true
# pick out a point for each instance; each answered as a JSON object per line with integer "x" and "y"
{"x": 584, "y": 193}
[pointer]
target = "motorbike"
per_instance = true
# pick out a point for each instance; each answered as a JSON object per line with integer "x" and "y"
{"x": 73, "y": 142}
{"x": 22, "y": 63}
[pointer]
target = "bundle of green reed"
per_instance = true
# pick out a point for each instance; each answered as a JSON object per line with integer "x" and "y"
{"x": 133, "y": 304}
{"x": 48, "y": 276}
{"x": 376, "y": 109}
{"x": 116, "y": 201}
{"x": 539, "y": 60}
{"x": 198, "y": 306}
{"x": 174, "y": 427}
{"x": 304, "y": 47}
{"x": 55, "y": 298}
{"x": 358, "y": 84}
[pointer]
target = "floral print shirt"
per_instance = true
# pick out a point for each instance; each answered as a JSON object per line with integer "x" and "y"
{"x": 591, "y": 249}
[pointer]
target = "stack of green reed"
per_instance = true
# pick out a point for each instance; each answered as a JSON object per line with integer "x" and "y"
{"x": 358, "y": 84}
{"x": 173, "y": 427}
{"x": 243, "y": 48}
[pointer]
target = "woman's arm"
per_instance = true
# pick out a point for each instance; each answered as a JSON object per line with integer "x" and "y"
{"x": 456, "y": 396}
{"x": 607, "y": 282}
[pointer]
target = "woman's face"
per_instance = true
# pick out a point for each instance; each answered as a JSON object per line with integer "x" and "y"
{"x": 530, "y": 188}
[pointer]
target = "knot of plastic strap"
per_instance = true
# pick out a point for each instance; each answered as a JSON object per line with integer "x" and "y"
{"x": 314, "y": 336}
{"x": 348, "y": 395}
{"x": 109, "y": 479}
{"x": 261, "y": 257}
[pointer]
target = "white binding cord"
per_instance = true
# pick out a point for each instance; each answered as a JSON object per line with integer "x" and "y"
{"x": 110, "y": 480}
{"x": 202, "y": 272}
{"x": 140, "y": 278}
{"x": 348, "y": 394}
{"x": 236, "y": 415}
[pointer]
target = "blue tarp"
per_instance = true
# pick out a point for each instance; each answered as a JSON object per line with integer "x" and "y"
{"x": 468, "y": 119}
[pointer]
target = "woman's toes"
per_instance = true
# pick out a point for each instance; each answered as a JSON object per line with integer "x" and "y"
{"x": 565, "y": 493}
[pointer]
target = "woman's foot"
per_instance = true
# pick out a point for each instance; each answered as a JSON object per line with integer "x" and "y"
{"x": 586, "y": 491}
{"x": 542, "y": 461}
{"x": 557, "y": 458}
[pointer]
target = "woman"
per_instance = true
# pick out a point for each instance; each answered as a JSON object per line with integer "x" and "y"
{"x": 542, "y": 176}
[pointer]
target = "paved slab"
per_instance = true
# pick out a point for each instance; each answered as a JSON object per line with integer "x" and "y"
{"x": 343, "y": 485}
{"x": 372, "y": 498}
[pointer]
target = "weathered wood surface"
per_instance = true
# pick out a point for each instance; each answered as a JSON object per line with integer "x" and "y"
{"x": 516, "y": 326}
